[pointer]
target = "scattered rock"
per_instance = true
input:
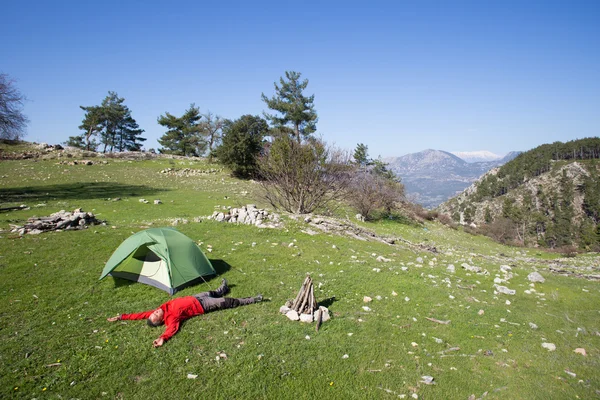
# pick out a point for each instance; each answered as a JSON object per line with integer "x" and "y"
{"x": 451, "y": 269}
{"x": 570, "y": 373}
{"x": 157, "y": 202}
{"x": 536, "y": 277}
{"x": 293, "y": 315}
{"x": 306, "y": 318}
{"x": 505, "y": 268}
{"x": 324, "y": 314}
{"x": 532, "y": 325}
{"x": 505, "y": 290}
{"x": 471, "y": 268}
{"x": 284, "y": 309}
{"x": 549, "y": 346}
{"x": 581, "y": 351}
{"x": 367, "y": 299}
{"x": 428, "y": 380}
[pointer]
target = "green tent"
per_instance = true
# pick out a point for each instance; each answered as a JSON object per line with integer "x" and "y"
{"x": 161, "y": 257}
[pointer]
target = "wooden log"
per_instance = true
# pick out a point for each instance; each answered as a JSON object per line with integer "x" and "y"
{"x": 300, "y": 295}
{"x": 305, "y": 299}
{"x": 319, "y": 319}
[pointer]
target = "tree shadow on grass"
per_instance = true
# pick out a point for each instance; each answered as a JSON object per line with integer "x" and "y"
{"x": 78, "y": 191}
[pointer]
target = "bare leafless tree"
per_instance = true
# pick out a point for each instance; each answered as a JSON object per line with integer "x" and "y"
{"x": 12, "y": 120}
{"x": 212, "y": 128}
{"x": 364, "y": 189}
{"x": 370, "y": 191}
{"x": 302, "y": 177}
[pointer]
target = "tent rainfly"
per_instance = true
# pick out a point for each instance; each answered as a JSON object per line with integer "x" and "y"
{"x": 161, "y": 257}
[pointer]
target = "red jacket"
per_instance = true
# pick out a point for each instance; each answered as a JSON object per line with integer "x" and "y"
{"x": 175, "y": 311}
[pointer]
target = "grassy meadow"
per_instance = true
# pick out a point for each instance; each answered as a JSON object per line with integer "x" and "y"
{"x": 55, "y": 341}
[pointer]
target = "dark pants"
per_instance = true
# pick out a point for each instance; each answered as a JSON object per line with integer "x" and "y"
{"x": 211, "y": 301}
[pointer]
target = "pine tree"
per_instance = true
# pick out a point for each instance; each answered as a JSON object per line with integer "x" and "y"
{"x": 77, "y": 141}
{"x": 112, "y": 111}
{"x": 563, "y": 212}
{"x": 113, "y": 123}
{"x": 589, "y": 235}
{"x": 298, "y": 115}
{"x": 91, "y": 125}
{"x": 591, "y": 201}
{"x": 361, "y": 155}
{"x": 468, "y": 215}
{"x": 129, "y": 133}
{"x": 183, "y": 136}
{"x": 488, "y": 216}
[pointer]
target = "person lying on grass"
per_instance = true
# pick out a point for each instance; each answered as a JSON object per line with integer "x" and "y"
{"x": 173, "y": 312}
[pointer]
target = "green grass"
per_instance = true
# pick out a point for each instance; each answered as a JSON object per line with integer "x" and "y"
{"x": 54, "y": 309}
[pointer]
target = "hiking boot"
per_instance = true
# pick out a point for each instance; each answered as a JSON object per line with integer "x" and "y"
{"x": 223, "y": 289}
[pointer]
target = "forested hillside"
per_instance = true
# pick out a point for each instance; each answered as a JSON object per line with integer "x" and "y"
{"x": 548, "y": 196}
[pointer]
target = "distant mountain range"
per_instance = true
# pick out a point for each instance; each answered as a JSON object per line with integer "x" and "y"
{"x": 431, "y": 177}
{"x": 477, "y": 156}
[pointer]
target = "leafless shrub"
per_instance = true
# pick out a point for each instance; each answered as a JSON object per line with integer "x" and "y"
{"x": 446, "y": 220}
{"x": 369, "y": 191}
{"x": 301, "y": 177}
{"x": 501, "y": 230}
{"x": 565, "y": 251}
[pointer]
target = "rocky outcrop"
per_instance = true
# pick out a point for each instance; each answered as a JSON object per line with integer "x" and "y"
{"x": 248, "y": 215}
{"x": 62, "y": 220}
{"x": 183, "y": 172}
{"x": 549, "y": 182}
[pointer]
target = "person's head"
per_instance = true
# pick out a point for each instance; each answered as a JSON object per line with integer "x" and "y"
{"x": 156, "y": 318}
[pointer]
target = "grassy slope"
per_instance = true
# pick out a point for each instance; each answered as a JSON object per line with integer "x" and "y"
{"x": 53, "y": 307}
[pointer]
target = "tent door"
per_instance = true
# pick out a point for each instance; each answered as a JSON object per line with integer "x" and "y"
{"x": 155, "y": 269}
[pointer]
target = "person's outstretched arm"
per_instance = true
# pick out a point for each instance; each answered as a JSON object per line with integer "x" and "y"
{"x": 171, "y": 329}
{"x": 142, "y": 315}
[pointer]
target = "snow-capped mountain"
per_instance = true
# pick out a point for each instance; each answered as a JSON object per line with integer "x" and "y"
{"x": 431, "y": 177}
{"x": 476, "y": 156}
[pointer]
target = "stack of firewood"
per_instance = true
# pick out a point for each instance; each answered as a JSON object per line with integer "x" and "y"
{"x": 304, "y": 307}
{"x": 305, "y": 302}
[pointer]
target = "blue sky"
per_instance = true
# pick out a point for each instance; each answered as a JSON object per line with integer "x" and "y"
{"x": 398, "y": 76}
